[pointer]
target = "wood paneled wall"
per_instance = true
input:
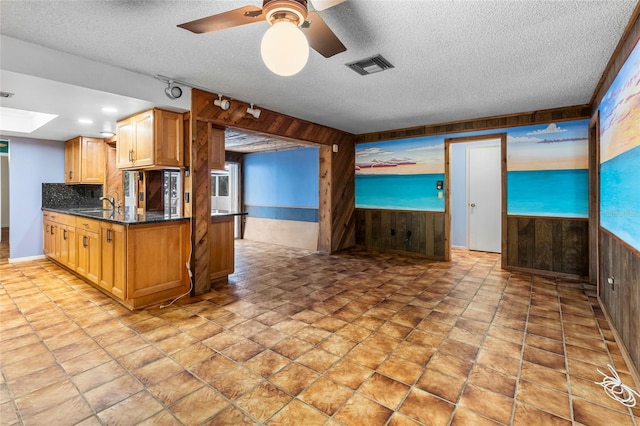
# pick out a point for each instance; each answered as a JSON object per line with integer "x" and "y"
{"x": 498, "y": 122}
{"x": 114, "y": 184}
{"x": 415, "y": 232}
{"x": 617, "y": 259}
{"x": 337, "y": 172}
{"x": 557, "y": 245}
{"x": 622, "y": 302}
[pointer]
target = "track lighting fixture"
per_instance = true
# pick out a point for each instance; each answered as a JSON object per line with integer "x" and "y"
{"x": 254, "y": 112}
{"x": 224, "y": 104}
{"x": 172, "y": 91}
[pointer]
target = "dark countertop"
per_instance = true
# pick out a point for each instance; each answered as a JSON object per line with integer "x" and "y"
{"x": 126, "y": 216}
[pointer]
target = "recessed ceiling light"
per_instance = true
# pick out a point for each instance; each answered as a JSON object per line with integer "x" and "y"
{"x": 109, "y": 109}
{"x": 22, "y": 121}
{"x": 85, "y": 121}
{"x": 107, "y": 134}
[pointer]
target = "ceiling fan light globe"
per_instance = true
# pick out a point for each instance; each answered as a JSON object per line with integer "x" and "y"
{"x": 284, "y": 49}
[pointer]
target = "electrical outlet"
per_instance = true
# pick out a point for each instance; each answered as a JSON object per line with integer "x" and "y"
{"x": 612, "y": 283}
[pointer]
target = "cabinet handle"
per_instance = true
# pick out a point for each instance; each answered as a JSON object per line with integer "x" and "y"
{"x": 70, "y": 174}
{"x": 108, "y": 235}
{"x": 131, "y": 155}
{"x": 51, "y": 230}
{"x": 64, "y": 234}
{"x": 84, "y": 241}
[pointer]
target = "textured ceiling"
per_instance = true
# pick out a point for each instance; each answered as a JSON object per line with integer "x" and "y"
{"x": 453, "y": 60}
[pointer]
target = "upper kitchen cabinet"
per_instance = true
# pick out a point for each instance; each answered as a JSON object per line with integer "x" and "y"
{"x": 150, "y": 139}
{"x": 84, "y": 160}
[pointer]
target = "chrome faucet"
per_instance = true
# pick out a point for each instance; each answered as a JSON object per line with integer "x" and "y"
{"x": 111, "y": 201}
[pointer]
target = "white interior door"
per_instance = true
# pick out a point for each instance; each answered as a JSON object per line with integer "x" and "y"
{"x": 485, "y": 198}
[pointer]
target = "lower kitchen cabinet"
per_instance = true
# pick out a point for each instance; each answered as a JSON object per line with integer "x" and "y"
{"x": 88, "y": 249}
{"x": 221, "y": 247}
{"x": 112, "y": 259}
{"x": 138, "y": 264}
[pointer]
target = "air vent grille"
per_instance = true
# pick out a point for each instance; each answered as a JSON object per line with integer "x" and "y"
{"x": 370, "y": 65}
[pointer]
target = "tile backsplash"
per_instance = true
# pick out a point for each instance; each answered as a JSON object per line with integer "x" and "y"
{"x": 59, "y": 195}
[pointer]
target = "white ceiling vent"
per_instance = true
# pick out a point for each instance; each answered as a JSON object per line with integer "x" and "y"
{"x": 370, "y": 65}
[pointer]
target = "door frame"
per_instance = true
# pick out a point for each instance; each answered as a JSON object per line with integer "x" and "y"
{"x": 594, "y": 201}
{"x": 447, "y": 196}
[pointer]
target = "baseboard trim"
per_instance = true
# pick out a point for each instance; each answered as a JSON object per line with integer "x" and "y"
{"x": 27, "y": 259}
{"x": 623, "y": 348}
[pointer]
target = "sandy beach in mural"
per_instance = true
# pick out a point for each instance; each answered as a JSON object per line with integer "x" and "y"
{"x": 400, "y": 169}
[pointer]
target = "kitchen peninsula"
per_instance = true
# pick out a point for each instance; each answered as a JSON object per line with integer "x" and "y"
{"x": 139, "y": 259}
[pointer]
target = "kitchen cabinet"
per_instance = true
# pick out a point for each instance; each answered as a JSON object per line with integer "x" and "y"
{"x": 84, "y": 160}
{"x": 221, "y": 247}
{"x": 216, "y": 149}
{"x": 88, "y": 251}
{"x": 156, "y": 262}
{"x": 138, "y": 264}
{"x": 151, "y": 139}
{"x": 112, "y": 259}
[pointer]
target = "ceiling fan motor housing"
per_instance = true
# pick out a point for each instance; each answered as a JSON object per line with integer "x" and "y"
{"x": 291, "y": 10}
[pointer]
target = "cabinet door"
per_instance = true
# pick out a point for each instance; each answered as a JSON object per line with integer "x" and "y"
{"x": 106, "y": 256}
{"x": 93, "y": 163}
{"x": 72, "y": 161}
{"x": 124, "y": 144}
{"x": 88, "y": 255}
{"x": 143, "y": 139}
{"x": 221, "y": 248}
{"x": 46, "y": 237}
{"x": 169, "y": 150}
{"x": 118, "y": 241}
{"x": 216, "y": 149}
{"x": 71, "y": 246}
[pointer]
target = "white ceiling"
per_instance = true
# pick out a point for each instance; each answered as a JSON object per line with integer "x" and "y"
{"x": 453, "y": 60}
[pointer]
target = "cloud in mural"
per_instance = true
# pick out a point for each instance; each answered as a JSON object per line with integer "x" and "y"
{"x": 523, "y": 139}
{"x": 371, "y": 151}
{"x": 551, "y": 128}
{"x": 426, "y": 148}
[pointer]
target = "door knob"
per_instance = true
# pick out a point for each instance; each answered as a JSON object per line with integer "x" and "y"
{"x": 472, "y": 204}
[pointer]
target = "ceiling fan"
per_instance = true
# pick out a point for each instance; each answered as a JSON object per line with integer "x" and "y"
{"x": 285, "y": 46}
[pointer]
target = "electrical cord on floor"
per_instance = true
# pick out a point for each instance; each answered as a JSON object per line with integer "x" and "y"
{"x": 616, "y": 390}
{"x": 188, "y": 265}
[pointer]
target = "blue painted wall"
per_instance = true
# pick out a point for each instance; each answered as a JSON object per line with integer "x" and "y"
{"x": 282, "y": 184}
{"x": 32, "y": 162}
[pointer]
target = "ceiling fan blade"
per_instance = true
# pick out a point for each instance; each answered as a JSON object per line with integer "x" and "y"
{"x": 325, "y": 4}
{"x": 321, "y": 38}
{"x": 222, "y": 21}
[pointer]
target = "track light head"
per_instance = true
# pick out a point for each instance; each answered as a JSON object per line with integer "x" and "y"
{"x": 172, "y": 91}
{"x": 254, "y": 112}
{"x": 224, "y": 104}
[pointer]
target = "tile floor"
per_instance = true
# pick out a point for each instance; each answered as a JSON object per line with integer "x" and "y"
{"x": 297, "y": 338}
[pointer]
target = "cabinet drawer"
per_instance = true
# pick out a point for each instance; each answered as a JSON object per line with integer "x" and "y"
{"x": 87, "y": 224}
{"x": 65, "y": 219}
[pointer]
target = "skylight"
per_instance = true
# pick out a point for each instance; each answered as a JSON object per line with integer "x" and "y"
{"x": 22, "y": 121}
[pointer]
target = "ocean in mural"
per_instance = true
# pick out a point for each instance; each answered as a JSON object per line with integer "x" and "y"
{"x": 403, "y": 192}
{"x": 556, "y": 193}
{"x": 619, "y": 196}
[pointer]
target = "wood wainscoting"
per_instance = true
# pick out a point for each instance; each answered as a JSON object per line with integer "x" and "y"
{"x": 417, "y": 232}
{"x": 559, "y": 246}
{"x": 622, "y": 299}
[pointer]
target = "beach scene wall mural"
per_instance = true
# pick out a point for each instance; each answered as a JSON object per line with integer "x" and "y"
{"x": 546, "y": 171}
{"x": 620, "y": 153}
